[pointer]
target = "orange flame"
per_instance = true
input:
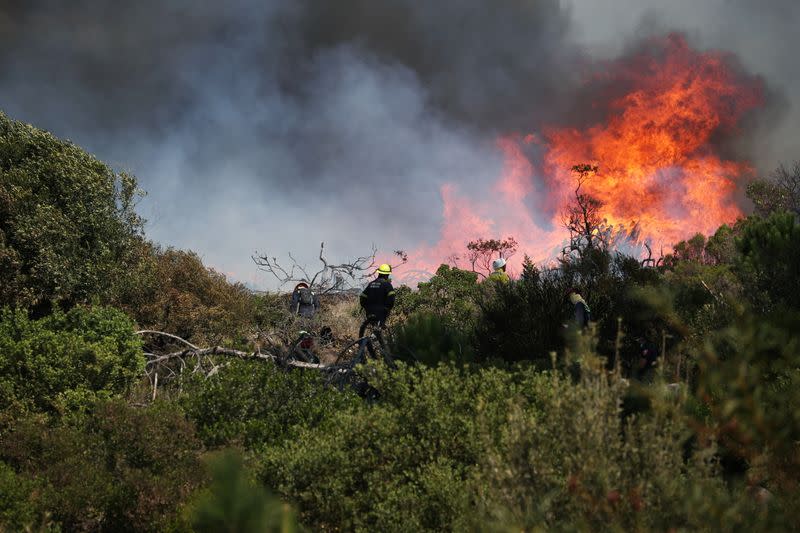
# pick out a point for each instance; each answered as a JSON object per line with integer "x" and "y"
{"x": 659, "y": 169}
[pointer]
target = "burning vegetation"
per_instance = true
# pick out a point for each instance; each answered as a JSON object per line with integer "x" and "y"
{"x": 656, "y": 124}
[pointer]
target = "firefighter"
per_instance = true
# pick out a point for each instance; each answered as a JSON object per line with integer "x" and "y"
{"x": 377, "y": 299}
{"x": 499, "y": 273}
{"x": 304, "y": 302}
{"x": 580, "y": 309}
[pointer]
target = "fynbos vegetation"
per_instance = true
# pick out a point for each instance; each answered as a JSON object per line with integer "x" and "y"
{"x": 678, "y": 408}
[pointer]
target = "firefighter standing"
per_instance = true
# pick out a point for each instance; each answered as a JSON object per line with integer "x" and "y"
{"x": 499, "y": 274}
{"x": 377, "y": 299}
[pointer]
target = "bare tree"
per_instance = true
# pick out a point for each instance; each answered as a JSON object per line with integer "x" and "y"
{"x": 328, "y": 277}
{"x": 481, "y": 253}
{"x": 582, "y": 218}
{"x": 779, "y": 192}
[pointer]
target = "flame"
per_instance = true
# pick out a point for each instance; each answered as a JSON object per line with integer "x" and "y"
{"x": 660, "y": 170}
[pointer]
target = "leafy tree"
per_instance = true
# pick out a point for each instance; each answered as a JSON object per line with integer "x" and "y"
{"x": 68, "y": 228}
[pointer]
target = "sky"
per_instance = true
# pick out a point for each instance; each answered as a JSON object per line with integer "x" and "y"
{"x": 271, "y": 126}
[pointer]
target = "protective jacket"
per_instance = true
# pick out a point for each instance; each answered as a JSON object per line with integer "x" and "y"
{"x": 377, "y": 299}
{"x": 499, "y": 275}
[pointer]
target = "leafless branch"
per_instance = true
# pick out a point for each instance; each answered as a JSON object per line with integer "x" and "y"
{"x": 329, "y": 277}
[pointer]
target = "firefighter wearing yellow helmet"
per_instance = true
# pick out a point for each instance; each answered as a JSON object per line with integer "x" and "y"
{"x": 377, "y": 298}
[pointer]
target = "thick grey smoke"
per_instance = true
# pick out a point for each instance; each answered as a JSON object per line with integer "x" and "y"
{"x": 276, "y": 125}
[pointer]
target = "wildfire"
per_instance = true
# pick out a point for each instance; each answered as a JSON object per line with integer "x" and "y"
{"x": 660, "y": 169}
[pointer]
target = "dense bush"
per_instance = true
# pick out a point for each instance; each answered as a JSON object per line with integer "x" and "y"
{"x": 450, "y": 295}
{"x": 254, "y": 404}
{"x": 17, "y": 504}
{"x": 176, "y": 293}
{"x": 68, "y": 229}
{"x": 424, "y": 338}
{"x": 769, "y": 260}
{"x": 121, "y": 469}
{"x": 750, "y": 380}
{"x": 402, "y": 463}
{"x": 66, "y": 360}
{"x": 489, "y": 449}
{"x": 524, "y": 320}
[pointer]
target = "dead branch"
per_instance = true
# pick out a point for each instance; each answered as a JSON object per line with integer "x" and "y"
{"x": 161, "y": 369}
{"x": 170, "y": 335}
{"x": 329, "y": 277}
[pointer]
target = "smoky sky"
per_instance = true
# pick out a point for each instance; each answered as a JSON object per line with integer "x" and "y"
{"x": 274, "y": 125}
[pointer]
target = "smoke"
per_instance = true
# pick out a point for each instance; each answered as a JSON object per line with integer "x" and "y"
{"x": 276, "y": 125}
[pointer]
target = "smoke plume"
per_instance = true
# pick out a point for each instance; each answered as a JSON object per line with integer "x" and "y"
{"x": 276, "y": 125}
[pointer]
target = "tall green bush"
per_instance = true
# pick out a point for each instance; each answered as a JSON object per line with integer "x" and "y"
{"x": 424, "y": 338}
{"x": 68, "y": 228}
{"x": 66, "y": 360}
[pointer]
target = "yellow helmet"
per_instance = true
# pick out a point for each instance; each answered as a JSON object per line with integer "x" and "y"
{"x": 384, "y": 269}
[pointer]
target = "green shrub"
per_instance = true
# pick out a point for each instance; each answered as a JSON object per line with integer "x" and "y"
{"x": 175, "y": 292}
{"x": 17, "y": 508}
{"x": 235, "y": 503}
{"x": 121, "y": 469}
{"x": 769, "y": 261}
{"x": 403, "y": 463}
{"x": 750, "y": 378}
{"x": 450, "y": 295}
{"x": 424, "y": 338}
{"x": 258, "y": 404}
{"x": 524, "y": 320}
{"x": 66, "y": 360}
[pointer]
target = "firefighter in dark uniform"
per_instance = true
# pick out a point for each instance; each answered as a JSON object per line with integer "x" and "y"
{"x": 377, "y": 300}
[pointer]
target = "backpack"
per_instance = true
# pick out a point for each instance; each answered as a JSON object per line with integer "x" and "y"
{"x": 306, "y": 297}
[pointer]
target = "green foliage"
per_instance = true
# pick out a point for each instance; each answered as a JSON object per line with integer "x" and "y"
{"x": 750, "y": 378}
{"x": 424, "y": 338}
{"x": 17, "y": 508}
{"x": 450, "y": 294}
{"x": 451, "y": 448}
{"x": 780, "y": 191}
{"x": 523, "y": 320}
{"x": 399, "y": 465}
{"x": 121, "y": 469}
{"x": 68, "y": 228}
{"x": 237, "y": 504}
{"x": 770, "y": 260}
{"x": 66, "y": 360}
{"x": 258, "y": 404}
